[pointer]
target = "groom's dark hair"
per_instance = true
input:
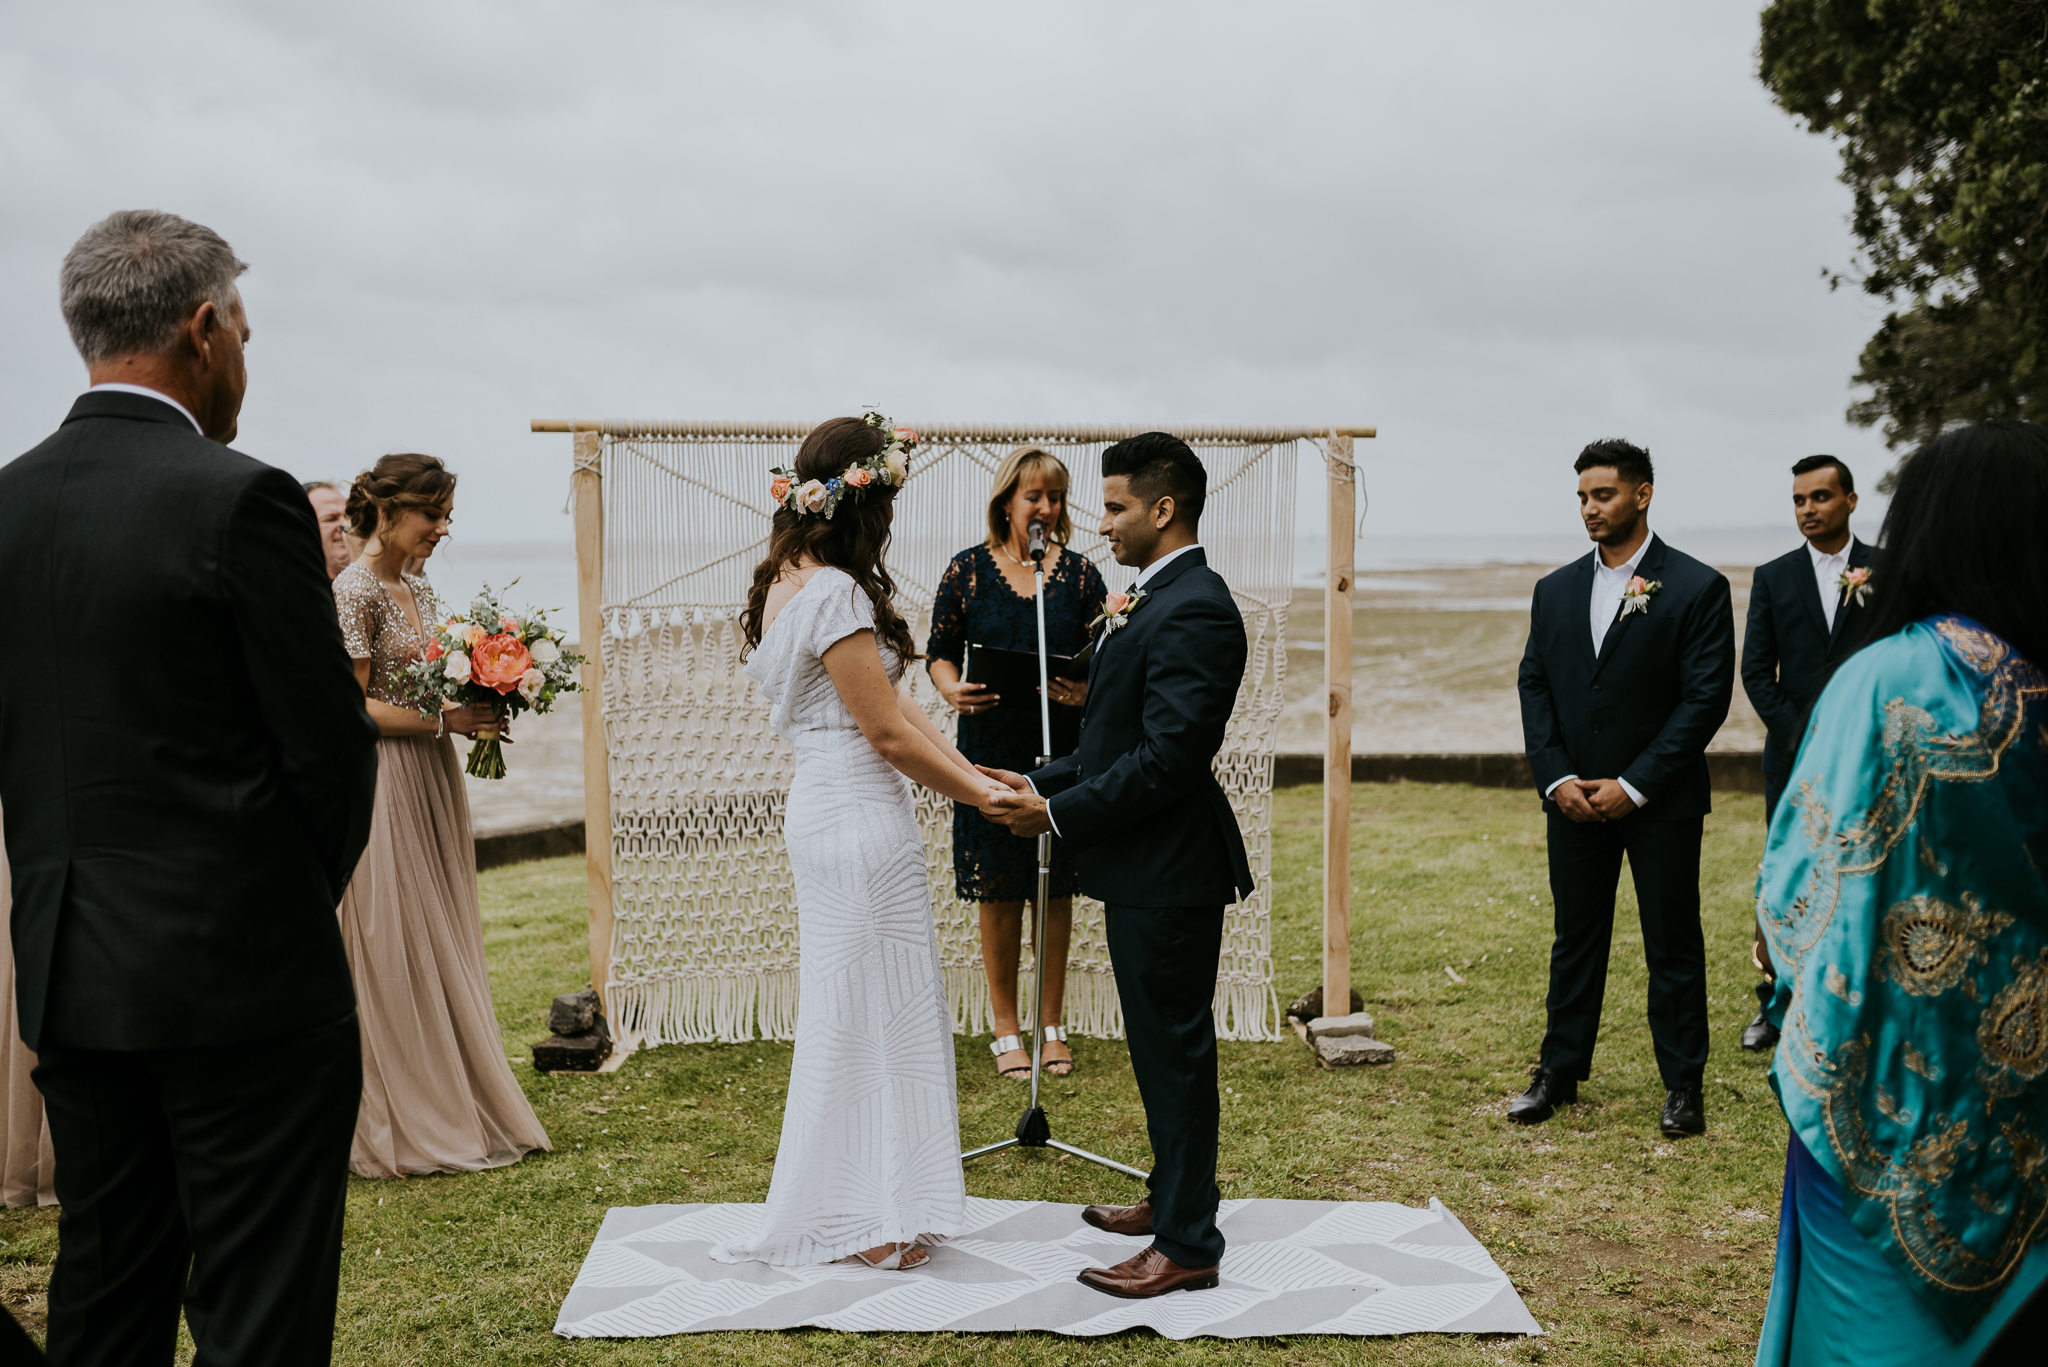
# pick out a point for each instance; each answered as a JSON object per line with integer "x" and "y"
{"x": 1629, "y": 460}
{"x": 1159, "y": 465}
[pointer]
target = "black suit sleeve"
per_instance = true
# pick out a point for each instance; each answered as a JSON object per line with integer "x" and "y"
{"x": 1760, "y": 662}
{"x": 1058, "y": 776}
{"x": 304, "y": 684}
{"x": 1195, "y": 663}
{"x": 1706, "y": 683}
{"x": 1542, "y": 736}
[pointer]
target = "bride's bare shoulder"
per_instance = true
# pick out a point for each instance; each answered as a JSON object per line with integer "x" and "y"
{"x": 782, "y": 590}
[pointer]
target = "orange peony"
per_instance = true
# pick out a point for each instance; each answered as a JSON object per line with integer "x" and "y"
{"x": 498, "y": 662}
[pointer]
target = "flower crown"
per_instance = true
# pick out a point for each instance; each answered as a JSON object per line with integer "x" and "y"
{"x": 890, "y": 465}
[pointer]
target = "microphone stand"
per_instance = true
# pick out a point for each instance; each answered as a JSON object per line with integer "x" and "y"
{"x": 1034, "y": 1130}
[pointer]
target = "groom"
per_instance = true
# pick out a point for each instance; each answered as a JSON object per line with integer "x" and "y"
{"x": 1153, "y": 838}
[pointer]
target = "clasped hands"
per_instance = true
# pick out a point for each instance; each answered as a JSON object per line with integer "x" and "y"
{"x": 1600, "y": 799}
{"x": 1014, "y": 806}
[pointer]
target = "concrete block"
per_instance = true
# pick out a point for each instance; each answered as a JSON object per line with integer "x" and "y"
{"x": 1351, "y": 1051}
{"x": 1337, "y": 1027}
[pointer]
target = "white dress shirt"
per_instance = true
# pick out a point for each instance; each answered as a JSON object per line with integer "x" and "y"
{"x": 1827, "y": 577}
{"x": 111, "y": 387}
{"x": 1602, "y": 613}
{"x": 1148, "y": 572}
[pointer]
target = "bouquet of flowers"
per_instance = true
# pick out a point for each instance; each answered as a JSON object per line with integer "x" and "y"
{"x": 492, "y": 657}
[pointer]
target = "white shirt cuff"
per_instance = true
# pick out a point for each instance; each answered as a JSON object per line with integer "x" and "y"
{"x": 1559, "y": 784}
{"x": 1633, "y": 795}
{"x": 1048, "y": 807}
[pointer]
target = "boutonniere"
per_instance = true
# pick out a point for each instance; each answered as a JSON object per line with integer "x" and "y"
{"x": 1117, "y": 609}
{"x": 1855, "y": 585}
{"x": 1636, "y": 597}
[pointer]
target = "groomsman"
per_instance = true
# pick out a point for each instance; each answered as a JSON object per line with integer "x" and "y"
{"x": 1801, "y": 607}
{"x": 1627, "y": 676}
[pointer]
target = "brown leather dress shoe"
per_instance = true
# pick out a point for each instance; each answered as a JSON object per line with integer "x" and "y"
{"x": 1150, "y": 1273}
{"x": 1121, "y": 1219}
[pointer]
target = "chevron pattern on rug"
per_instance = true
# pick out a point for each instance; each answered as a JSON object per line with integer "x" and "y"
{"x": 1292, "y": 1267}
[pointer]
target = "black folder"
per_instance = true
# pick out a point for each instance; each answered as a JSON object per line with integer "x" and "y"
{"x": 1013, "y": 674}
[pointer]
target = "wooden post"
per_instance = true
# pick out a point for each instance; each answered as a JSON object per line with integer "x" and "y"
{"x": 587, "y": 483}
{"x": 1337, "y": 737}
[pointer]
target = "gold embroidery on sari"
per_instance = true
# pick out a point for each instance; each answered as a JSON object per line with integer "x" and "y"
{"x": 1918, "y": 1062}
{"x": 1926, "y": 945}
{"x": 2012, "y": 1034}
{"x": 1918, "y": 754}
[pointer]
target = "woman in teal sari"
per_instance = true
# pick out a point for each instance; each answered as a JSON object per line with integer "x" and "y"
{"x": 1902, "y": 901}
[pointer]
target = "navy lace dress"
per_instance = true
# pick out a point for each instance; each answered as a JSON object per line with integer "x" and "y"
{"x": 976, "y": 604}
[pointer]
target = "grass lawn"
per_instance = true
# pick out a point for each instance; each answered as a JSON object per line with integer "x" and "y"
{"x": 1627, "y": 1248}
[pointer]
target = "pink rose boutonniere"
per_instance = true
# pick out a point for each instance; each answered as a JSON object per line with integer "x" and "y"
{"x": 1117, "y": 609}
{"x": 1636, "y": 597}
{"x": 1855, "y": 585}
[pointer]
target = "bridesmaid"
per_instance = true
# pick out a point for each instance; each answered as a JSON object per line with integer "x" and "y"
{"x": 27, "y": 1170}
{"x": 438, "y": 1094}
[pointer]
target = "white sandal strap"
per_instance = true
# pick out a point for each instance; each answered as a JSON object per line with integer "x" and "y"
{"x": 1056, "y": 1034}
{"x": 1006, "y": 1044}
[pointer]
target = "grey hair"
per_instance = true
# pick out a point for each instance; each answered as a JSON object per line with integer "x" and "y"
{"x": 136, "y": 275}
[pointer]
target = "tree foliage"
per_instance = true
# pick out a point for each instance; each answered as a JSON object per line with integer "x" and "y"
{"x": 1941, "y": 107}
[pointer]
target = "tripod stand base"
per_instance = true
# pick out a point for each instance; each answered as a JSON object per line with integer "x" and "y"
{"x": 1095, "y": 1158}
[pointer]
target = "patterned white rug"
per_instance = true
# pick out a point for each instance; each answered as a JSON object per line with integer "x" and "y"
{"x": 1292, "y": 1267}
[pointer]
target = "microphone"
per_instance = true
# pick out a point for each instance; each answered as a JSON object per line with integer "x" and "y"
{"x": 1037, "y": 530}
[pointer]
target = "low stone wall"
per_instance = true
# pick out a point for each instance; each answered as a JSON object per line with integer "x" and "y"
{"x": 529, "y": 842}
{"x": 1733, "y": 771}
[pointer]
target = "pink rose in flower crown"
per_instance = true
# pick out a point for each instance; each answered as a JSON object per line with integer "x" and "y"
{"x": 499, "y": 662}
{"x": 858, "y": 477}
{"x": 906, "y": 435}
{"x": 778, "y": 488}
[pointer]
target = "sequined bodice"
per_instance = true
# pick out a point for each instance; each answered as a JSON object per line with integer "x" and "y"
{"x": 375, "y": 627}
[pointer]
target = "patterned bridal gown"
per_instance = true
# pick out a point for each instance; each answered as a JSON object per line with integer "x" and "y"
{"x": 438, "y": 1095}
{"x": 870, "y": 1150}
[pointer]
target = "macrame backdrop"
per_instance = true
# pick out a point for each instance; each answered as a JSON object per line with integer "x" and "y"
{"x": 704, "y": 942}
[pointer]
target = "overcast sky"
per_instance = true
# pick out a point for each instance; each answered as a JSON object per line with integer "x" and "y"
{"x": 1496, "y": 230}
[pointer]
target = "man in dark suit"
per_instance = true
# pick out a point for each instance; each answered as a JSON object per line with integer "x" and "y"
{"x": 186, "y": 771}
{"x": 1153, "y": 837}
{"x": 1802, "y": 608}
{"x": 1627, "y": 675}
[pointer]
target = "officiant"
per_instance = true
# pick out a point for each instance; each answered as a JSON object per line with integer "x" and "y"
{"x": 984, "y": 604}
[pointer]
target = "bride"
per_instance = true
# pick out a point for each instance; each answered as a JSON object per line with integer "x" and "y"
{"x": 870, "y": 1151}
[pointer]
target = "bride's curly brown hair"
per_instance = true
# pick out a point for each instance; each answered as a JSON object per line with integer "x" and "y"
{"x": 853, "y": 539}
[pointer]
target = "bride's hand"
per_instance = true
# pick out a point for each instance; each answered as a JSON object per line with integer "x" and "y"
{"x": 993, "y": 802}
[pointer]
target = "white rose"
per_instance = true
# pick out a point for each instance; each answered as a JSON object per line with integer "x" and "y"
{"x": 457, "y": 668}
{"x": 544, "y": 651}
{"x": 897, "y": 467}
{"x": 530, "y": 684}
{"x": 811, "y": 497}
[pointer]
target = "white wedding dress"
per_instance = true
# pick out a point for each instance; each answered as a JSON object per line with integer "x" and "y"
{"x": 870, "y": 1150}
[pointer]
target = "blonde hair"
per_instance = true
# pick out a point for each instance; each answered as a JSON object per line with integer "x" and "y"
{"x": 1026, "y": 460}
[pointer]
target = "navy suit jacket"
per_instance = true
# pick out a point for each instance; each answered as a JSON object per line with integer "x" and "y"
{"x": 1788, "y": 648}
{"x": 1137, "y": 804}
{"x": 186, "y": 765}
{"x": 1646, "y": 706}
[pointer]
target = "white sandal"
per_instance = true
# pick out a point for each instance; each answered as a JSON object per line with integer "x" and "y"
{"x": 894, "y": 1260}
{"x": 1011, "y": 1044}
{"x": 1057, "y": 1067}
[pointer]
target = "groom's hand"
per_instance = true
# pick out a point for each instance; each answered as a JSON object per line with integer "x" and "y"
{"x": 1023, "y": 814}
{"x": 1008, "y": 778}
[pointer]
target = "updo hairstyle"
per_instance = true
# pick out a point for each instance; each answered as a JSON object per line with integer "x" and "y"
{"x": 397, "y": 482}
